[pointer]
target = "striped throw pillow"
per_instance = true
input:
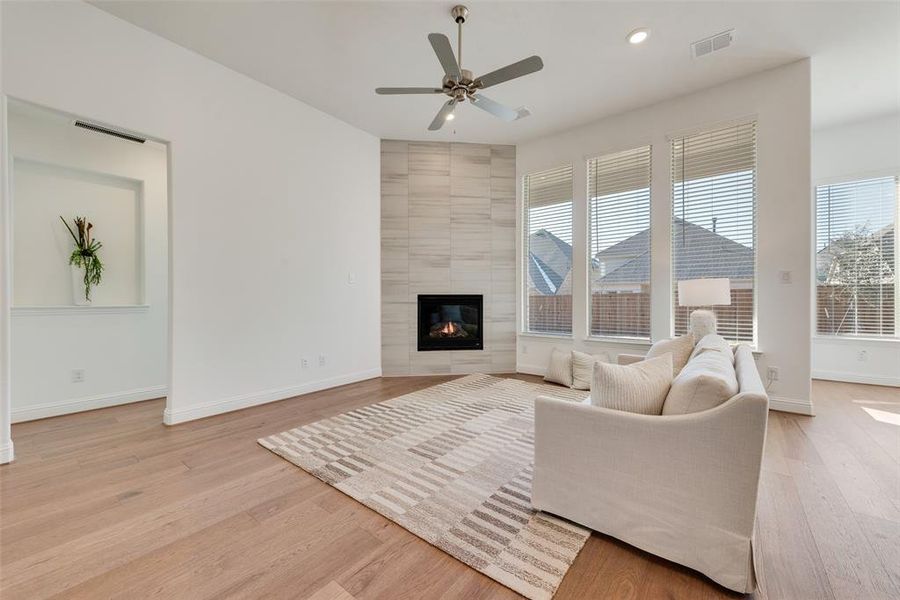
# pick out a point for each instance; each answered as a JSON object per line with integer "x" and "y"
{"x": 639, "y": 388}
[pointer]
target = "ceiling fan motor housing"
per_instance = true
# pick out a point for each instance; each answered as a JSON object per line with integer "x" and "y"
{"x": 461, "y": 89}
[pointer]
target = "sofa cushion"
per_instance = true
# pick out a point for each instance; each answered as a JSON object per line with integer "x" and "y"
{"x": 714, "y": 343}
{"x": 560, "y": 368}
{"x": 680, "y": 348}
{"x": 705, "y": 382}
{"x": 583, "y": 369}
{"x": 640, "y": 387}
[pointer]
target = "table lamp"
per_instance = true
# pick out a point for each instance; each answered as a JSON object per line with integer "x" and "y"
{"x": 704, "y": 292}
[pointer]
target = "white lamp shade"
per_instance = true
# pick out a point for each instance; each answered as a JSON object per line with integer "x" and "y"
{"x": 704, "y": 292}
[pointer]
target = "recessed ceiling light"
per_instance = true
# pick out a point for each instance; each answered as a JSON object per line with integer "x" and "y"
{"x": 638, "y": 35}
{"x": 449, "y": 117}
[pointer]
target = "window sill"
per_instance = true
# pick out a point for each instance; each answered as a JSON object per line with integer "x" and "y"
{"x": 621, "y": 341}
{"x": 44, "y": 311}
{"x": 546, "y": 336}
{"x": 849, "y": 339}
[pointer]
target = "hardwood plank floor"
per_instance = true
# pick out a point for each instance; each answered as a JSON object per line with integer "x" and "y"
{"x": 113, "y": 504}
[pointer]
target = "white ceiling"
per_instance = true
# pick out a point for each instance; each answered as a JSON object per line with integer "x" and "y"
{"x": 332, "y": 55}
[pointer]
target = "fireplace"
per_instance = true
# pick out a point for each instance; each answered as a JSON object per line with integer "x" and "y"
{"x": 451, "y": 322}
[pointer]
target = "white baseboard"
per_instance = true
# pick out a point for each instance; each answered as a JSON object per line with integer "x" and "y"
{"x": 791, "y": 405}
{"x": 6, "y": 452}
{"x": 856, "y": 378}
{"x": 531, "y": 370}
{"x": 74, "y": 405}
{"x": 217, "y": 407}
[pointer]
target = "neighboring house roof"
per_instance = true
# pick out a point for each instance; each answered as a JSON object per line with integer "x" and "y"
{"x": 729, "y": 258}
{"x": 549, "y": 261}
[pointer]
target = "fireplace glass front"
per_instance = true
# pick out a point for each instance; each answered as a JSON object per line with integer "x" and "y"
{"x": 450, "y": 322}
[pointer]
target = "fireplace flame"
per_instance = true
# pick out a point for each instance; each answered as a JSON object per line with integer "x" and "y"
{"x": 449, "y": 328}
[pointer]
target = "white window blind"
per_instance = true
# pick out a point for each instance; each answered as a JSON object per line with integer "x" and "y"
{"x": 856, "y": 258}
{"x": 619, "y": 229}
{"x": 547, "y": 272}
{"x": 714, "y": 222}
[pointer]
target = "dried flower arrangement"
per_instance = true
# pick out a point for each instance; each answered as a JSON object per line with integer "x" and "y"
{"x": 84, "y": 255}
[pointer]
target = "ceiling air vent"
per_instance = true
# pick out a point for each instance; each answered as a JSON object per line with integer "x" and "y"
{"x": 108, "y": 131}
{"x": 714, "y": 43}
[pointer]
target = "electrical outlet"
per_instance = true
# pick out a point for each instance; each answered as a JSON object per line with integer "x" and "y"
{"x": 304, "y": 363}
{"x": 524, "y": 348}
{"x": 862, "y": 356}
{"x": 321, "y": 360}
{"x": 785, "y": 276}
{"x": 772, "y": 373}
{"x": 78, "y": 376}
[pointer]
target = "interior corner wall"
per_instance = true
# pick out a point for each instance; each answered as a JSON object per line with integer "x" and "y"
{"x": 274, "y": 206}
{"x": 59, "y": 169}
{"x": 779, "y": 100}
{"x": 856, "y": 150}
{"x": 448, "y": 227}
{"x": 6, "y": 443}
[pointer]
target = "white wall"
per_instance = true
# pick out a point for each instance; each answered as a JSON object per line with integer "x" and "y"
{"x": 273, "y": 203}
{"x": 59, "y": 169}
{"x": 869, "y": 148}
{"x": 779, "y": 99}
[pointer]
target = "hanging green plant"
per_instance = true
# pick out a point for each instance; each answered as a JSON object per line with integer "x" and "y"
{"x": 84, "y": 255}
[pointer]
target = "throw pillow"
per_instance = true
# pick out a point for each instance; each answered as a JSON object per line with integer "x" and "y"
{"x": 680, "y": 348}
{"x": 560, "y": 369}
{"x": 583, "y": 369}
{"x": 640, "y": 387}
{"x": 714, "y": 343}
{"x": 706, "y": 381}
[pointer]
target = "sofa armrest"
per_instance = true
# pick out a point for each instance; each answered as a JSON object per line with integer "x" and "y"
{"x": 697, "y": 464}
{"x": 683, "y": 487}
{"x": 628, "y": 359}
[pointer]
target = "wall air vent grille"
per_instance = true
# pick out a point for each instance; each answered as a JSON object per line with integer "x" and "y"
{"x": 714, "y": 43}
{"x": 107, "y": 131}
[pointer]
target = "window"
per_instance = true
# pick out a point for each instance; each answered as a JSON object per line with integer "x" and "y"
{"x": 619, "y": 236}
{"x": 714, "y": 222}
{"x": 547, "y": 271}
{"x": 856, "y": 258}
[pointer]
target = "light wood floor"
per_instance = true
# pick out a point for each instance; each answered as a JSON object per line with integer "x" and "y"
{"x": 112, "y": 503}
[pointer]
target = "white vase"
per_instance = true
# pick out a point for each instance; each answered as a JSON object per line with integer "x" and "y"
{"x": 78, "y": 296}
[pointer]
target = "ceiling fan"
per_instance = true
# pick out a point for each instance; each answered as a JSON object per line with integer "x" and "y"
{"x": 460, "y": 84}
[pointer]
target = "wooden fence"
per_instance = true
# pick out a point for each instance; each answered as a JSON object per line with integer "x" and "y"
{"x": 627, "y": 314}
{"x": 872, "y": 314}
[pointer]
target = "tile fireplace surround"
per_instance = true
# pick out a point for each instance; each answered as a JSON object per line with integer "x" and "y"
{"x": 448, "y": 226}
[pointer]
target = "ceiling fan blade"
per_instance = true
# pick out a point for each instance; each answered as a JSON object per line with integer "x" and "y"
{"x": 495, "y": 108}
{"x": 384, "y": 91}
{"x": 445, "y": 55}
{"x": 525, "y": 66}
{"x": 441, "y": 117}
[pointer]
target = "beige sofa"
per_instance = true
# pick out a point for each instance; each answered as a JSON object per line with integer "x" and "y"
{"x": 682, "y": 487}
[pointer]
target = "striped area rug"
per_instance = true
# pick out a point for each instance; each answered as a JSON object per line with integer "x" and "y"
{"x": 452, "y": 464}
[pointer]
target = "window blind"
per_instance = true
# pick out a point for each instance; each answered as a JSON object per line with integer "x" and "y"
{"x": 856, "y": 258}
{"x": 619, "y": 230}
{"x": 714, "y": 222}
{"x": 547, "y": 272}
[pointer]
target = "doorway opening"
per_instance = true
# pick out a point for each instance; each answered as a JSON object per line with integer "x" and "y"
{"x": 89, "y": 264}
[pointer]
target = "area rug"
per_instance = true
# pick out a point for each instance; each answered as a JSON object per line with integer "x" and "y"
{"x": 452, "y": 464}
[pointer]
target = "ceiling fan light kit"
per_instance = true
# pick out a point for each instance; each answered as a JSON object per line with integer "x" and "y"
{"x": 461, "y": 84}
